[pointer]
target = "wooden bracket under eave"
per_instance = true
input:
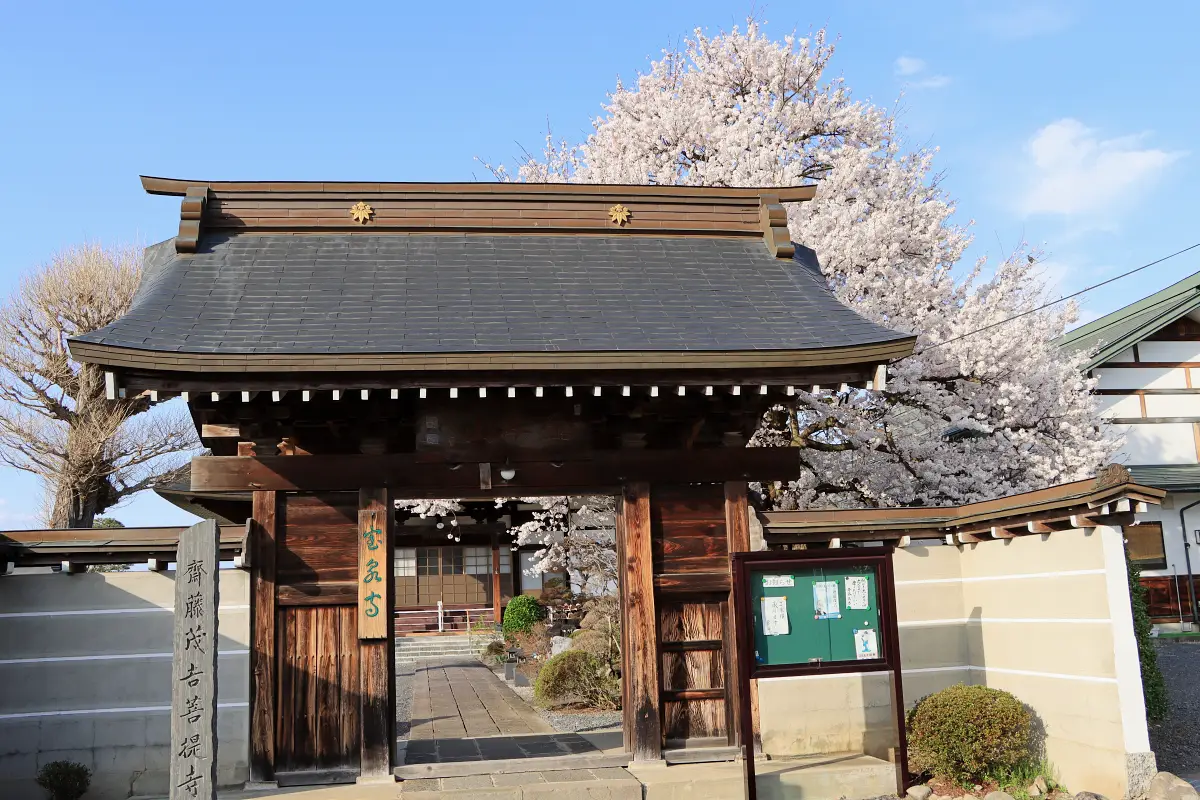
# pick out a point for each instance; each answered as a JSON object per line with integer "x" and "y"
{"x": 190, "y": 215}
{"x": 775, "y": 227}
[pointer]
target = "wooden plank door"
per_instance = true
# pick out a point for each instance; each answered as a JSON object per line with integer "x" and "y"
{"x": 691, "y": 575}
{"x": 692, "y": 644}
{"x": 317, "y": 727}
{"x": 318, "y": 674}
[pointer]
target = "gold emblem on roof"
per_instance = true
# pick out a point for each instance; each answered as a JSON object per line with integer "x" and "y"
{"x": 618, "y": 214}
{"x": 361, "y": 212}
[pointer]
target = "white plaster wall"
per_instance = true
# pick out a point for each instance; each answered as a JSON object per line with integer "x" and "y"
{"x": 1158, "y": 443}
{"x": 1173, "y": 405}
{"x": 1172, "y": 538}
{"x": 1124, "y": 406}
{"x": 1169, "y": 351}
{"x": 1141, "y": 378}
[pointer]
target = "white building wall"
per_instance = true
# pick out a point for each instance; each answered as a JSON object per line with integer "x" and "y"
{"x": 1162, "y": 443}
{"x": 1168, "y": 515}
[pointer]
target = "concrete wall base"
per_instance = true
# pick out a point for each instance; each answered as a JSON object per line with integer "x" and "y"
{"x": 847, "y": 775}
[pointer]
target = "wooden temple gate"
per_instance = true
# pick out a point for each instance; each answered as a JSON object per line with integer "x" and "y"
{"x": 343, "y": 345}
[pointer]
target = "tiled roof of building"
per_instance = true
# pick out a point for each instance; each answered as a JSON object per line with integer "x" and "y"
{"x": 1125, "y": 327}
{"x": 471, "y": 293}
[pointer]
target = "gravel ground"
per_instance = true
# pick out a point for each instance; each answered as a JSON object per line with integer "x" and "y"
{"x": 404, "y": 695}
{"x": 1174, "y": 740}
{"x": 572, "y": 721}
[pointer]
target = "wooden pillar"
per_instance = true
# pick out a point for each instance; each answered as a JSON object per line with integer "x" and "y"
{"x": 642, "y": 718}
{"x": 376, "y": 655}
{"x": 737, "y": 532}
{"x": 495, "y": 578}
{"x": 265, "y": 523}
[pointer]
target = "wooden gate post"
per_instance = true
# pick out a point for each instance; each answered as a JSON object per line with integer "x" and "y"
{"x": 641, "y": 714}
{"x": 377, "y": 653}
{"x": 265, "y": 522}
{"x": 194, "y": 665}
{"x": 737, "y": 532}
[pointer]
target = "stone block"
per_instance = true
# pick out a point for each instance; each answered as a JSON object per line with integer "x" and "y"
{"x": 159, "y": 757}
{"x": 120, "y": 732}
{"x": 18, "y": 737}
{"x": 20, "y": 766}
{"x": 66, "y": 733}
{"x": 119, "y": 760}
{"x": 158, "y": 729}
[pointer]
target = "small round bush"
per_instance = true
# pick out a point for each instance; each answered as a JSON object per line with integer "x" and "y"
{"x": 963, "y": 732}
{"x": 576, "y": 676}
{"x": 64, "y": 780}
{"x": 521, "y": 613}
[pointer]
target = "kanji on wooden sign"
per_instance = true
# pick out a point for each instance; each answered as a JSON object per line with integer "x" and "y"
{"x": 374, "y": 569}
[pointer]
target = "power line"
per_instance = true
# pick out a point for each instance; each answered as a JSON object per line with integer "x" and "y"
{"x": 1055, "y": 302}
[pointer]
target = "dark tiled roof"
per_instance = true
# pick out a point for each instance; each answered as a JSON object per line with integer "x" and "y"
{"x": 453, "y": 293}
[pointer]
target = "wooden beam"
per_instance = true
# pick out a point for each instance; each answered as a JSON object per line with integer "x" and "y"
{"x": 375, "y": 655}
{"x": 737, "y": 532}
{"x": 430, "y": 475}
{"x": 1080, "y": 521}
{"x": 267, "y": 523}
{"x": 641, "y": 713}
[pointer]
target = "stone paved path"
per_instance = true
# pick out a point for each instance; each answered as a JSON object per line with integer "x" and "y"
{"x": 461, "y": 711}
{"x": 458, "y": 699}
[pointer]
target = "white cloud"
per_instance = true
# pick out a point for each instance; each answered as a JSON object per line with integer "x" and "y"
{"x": 915, "y": 73}
{"x": 1023, "y": 19}
{"x": 906, "y": 65}
{"x": 1074, "y": 173}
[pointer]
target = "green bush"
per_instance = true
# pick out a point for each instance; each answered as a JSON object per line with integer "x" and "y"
{"x": 64, "y": 780}
{"x": 521, "y": 613}
{"x": 964, "y": 733}
{"x": 1154, "y": 690}
{"x": 576, "y": 676}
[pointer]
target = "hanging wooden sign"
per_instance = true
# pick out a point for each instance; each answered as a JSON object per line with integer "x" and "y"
{"x": 374, "y": 566}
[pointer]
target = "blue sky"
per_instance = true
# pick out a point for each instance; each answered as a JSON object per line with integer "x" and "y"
{"x": 1067, "y": 124}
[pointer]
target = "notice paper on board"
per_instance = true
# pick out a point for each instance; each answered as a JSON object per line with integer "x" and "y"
{"x": 825, "y": 600}
{"x": 866, "y": 644}
{"x": 774, "y": 616}
{"x": 778, "y": 581}
{"x": 858, "y": 596}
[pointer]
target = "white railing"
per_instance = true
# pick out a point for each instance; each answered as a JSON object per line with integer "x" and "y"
{"x": 446, "y": 619}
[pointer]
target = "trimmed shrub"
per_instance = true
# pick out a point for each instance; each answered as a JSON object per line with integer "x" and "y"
{"x": 64, "y": 780}
{"x": 1154, "y": 690}
{"x": 521, "y": 613}
{"x": 964, "y": 732}
{"x": 576, "y": 676}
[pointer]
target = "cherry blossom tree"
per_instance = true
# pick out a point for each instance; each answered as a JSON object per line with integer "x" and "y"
{"x": 572, "y": 534}
{"x": 970, "y": 415}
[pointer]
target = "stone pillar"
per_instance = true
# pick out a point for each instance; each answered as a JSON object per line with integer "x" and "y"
{"x": 194, "y": 666}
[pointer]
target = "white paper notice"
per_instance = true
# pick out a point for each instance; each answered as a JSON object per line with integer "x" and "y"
{"x": 778, "y": 581}
{"x": 825, "y": 600}
{"x": 774, "y": 616}
{"x": 857, "y": 593}
{"x": 866, "y": 645}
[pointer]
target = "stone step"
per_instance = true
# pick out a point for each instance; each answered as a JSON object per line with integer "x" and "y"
{"x": 511, "y": 766}
{"x": 542, "y": 785}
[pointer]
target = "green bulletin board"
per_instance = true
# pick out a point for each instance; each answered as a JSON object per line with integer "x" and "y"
{"x": 808, "y": 616}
